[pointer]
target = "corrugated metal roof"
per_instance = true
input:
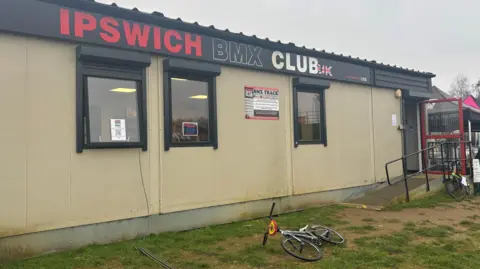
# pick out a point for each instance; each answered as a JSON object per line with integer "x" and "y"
{"x": 195, "y": 27}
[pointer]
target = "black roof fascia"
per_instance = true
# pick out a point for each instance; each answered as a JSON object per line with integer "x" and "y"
{"x": 158, "y": 18}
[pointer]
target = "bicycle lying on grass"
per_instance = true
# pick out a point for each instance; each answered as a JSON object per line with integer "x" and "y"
{"x": 307, "y": 240}
{"x": 456, "y": 184}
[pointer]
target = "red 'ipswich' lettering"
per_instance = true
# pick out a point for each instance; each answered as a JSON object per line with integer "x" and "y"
{"x": 84, "y": 22}
{"x": 118, "y": 32}
{"x": 108, "y": 25}
{"x": 135, "y": 33}
{"x": 168, "y": 41}
{"x": 196, "y": 44}
{"x": 64, "y": 21}
{"x": 157, "y": 42}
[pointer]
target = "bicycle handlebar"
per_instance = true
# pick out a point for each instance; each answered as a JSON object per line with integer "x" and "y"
{"x": 265, "y": 236}
{"x": 271, "y": 210}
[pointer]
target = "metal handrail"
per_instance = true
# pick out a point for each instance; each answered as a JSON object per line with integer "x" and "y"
{"x": 404, "y": 169}
{"x": 425, "y": 170}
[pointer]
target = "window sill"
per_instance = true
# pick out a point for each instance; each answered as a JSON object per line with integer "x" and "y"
{"x": 114, "y": 145}
{"x": 310, "y": 143}
{"x": 191, "y": 145}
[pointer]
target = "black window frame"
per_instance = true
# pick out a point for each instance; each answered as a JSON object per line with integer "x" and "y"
{"x": 110, "y": 64}
{"x": 310, "y": 85}
{"x": 190, "y": 70}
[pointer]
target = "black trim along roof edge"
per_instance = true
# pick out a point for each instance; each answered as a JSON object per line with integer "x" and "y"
{"x": 156, "y": 17}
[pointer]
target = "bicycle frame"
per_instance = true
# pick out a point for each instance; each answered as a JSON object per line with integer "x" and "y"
{"x": 273, "y": 228}
{"x": 456, "y": 175}
{"x": 452, "y": 167}
{"x": 307, "y": 238}
{"x": 299, "y": 234}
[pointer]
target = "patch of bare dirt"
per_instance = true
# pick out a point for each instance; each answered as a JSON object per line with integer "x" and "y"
{"x": 235, "y": 244}
{"x": 387, "y": 222}
{"x": 443, "y": 216}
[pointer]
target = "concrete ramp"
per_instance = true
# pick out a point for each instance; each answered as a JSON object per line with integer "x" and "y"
{"x": 385, "y": 195}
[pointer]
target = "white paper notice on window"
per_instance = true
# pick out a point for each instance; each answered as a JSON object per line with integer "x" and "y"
{"x": 118, "y": 131}
{"x": 394, "y": 119}
{"x": 476, "y": 170}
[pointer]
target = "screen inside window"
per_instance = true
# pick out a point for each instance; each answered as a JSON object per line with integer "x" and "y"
{"x": 309, "y": 116}
{"x": 113, "y": 110}
{"x": 190, "y": 111}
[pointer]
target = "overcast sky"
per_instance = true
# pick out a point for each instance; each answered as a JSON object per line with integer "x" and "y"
{"x": 438, "y": 36}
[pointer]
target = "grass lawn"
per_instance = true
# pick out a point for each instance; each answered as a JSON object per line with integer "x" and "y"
{"x": 434, "y": 232}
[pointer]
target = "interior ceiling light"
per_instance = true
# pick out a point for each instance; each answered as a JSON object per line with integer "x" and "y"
{"x": 179, "y": 79}
{"x": 199, "y": 96}
{"x": 123, "y": 90}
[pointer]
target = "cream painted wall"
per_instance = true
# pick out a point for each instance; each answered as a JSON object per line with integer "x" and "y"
{"x": 346, "y": 161}
{"x": 13, "y": 135}
{"x": 361, "y": 139}
{"x": 45, "y": 184}
{"x": 388, "y": 139}
{"x": 251, "y": 161}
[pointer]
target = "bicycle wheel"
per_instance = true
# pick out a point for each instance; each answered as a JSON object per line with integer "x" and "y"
{"x": 327, "y": 234}
{"x": 302, "y": 249}
{"x": 456, "y": 189}
{"x": 470, "y": 189}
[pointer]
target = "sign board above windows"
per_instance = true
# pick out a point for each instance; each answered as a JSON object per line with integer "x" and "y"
{"x": 81, "y": 21}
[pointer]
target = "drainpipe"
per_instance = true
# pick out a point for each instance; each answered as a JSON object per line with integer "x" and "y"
{"x": 404, "y": 135}
{"x": 422, "y": 159}
{"x": 403, "y": 121}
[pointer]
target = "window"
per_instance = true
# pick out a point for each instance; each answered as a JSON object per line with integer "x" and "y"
{"x": 190, "y": 104}
{"x": 309, "y": 111}
{"x": 190, "y": 110}
{"x": 309, "y": 117}
{"x": 111, "y": 111}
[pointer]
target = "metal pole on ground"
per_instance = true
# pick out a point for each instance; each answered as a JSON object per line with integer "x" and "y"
{"x": 425, "y": 167}
{"x": 404, "y": 168}
{"x": 442, "y": 164}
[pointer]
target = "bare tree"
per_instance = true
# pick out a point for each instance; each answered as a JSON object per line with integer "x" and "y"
{"x": 476, "y": 89}
{"x": 460, "y": 86}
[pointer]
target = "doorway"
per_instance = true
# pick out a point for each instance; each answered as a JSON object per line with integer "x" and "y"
{"x": 442, "y": 122}
{"x": 411, "y": 134}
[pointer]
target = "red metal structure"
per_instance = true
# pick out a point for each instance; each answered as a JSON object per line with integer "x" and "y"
{"x": 442, "y": 121}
